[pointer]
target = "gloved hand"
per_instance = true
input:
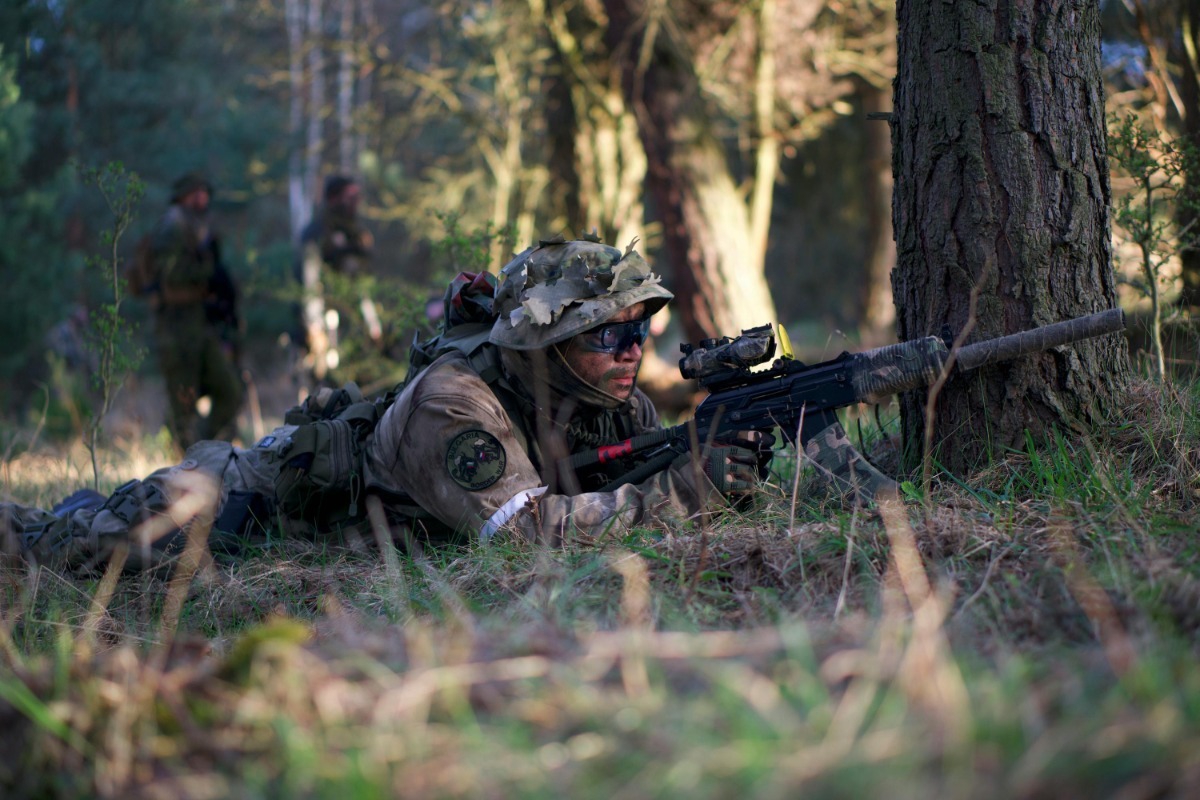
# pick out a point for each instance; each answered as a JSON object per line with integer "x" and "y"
{"x": 733, "y": 466}
{"x": 762, "y": 443}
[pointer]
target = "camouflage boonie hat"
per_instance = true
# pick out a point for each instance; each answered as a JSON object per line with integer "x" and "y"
{"x": 556, "y": 289}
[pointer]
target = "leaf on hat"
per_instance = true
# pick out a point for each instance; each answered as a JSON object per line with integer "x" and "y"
{"x": 630, "y": 273}
{"x": 544, "y": 302}
{"x": 538, "y": 310}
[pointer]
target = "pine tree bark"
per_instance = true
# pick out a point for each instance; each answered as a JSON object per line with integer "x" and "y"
{"x": 1002, "y": 183}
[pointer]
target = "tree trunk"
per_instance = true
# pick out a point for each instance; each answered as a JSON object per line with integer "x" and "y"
{"x": 878, "y": 310}
{"x": 345, "y": 87}
{"x": 364, "y": 111}
{"x": 600, "y": 136}
{"x": 314, "y": 145}
{"x": 298, "y": 200}
{"x": 500, "y": 147}
{"x": 1002, "y": 190}
{"x": 708, "y": 233}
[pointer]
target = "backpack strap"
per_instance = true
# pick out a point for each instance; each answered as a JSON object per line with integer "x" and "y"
{"x": 364, "y": 411}
{"x": 485, "y": 362}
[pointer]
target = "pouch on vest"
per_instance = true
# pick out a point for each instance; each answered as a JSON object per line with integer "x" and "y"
{"x": 321, "y": 475}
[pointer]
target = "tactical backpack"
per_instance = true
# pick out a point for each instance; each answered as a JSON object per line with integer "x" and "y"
{"x": 141, "y": 276}
{"x": 321, "y": 477}
{"x": 467, "y": 319}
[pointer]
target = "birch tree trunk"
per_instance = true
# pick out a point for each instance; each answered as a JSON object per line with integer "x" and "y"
{"x": 345, "y": 87}
{"x": 1001, "y": 212}
{"x": 365, "y": 81}
{"x": 315, "y": 137}
{"x": 299, "y": 206}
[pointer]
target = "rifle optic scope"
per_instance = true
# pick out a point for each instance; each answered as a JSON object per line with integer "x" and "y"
{"x": 718, "y": 356}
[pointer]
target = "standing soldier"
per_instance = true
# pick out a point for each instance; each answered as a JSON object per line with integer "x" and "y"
{"x": 196, "y": 326}
{"x": 334, "y": 241}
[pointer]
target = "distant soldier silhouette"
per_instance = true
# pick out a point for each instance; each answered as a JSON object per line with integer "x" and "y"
{"x": 178, "y": 268}
{"x": 335, "y": 241}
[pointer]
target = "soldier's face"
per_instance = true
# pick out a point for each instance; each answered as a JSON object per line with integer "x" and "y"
{"x": 196, "y": 200}
{"x": 613, "y": 373}
{"x": 347, "y": 201}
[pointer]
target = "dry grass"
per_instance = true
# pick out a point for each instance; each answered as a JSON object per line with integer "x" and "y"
{"x": 1031, "y": 634}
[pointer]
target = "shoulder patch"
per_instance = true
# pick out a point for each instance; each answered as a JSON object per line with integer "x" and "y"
{"x": 475, "y": 459}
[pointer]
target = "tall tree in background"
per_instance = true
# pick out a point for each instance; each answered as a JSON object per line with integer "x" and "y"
{"x": 328, "y": 89}
{"x": 1001, "y": 211}
{"x": 596, "y": 151}
{"x": 868, "y": 50}
{"x": 714, "y": 239}
{"x": 459, "y": 127}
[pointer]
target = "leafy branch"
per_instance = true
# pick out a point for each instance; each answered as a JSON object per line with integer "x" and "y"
{"x": 1157, "y": 165}
{"x": 111, "y": 335}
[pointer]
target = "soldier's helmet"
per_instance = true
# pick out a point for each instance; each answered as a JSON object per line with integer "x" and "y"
{"x": 559, "y": 288}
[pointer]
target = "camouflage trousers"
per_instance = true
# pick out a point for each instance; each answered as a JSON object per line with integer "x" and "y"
{"x": 838, "y": 461}
{"x": 196, "y": 361}
{"x": 152, "y": 517}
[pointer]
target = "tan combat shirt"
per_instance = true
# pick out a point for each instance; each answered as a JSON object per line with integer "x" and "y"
{"x": 413, "y": 452}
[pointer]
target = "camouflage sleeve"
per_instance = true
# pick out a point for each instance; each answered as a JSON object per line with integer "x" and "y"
{"x": 666, "y": 499}
{"x": 449, "y": 445}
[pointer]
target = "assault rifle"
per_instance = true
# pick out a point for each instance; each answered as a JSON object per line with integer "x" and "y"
{"x": 783, "y": 394}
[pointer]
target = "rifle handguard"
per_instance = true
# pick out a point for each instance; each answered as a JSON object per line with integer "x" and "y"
{"x": 880, "y": 373}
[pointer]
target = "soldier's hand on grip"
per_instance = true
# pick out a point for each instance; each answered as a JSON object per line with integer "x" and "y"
{"x": 761, "y": 442}
{"x": 731, "y": 467}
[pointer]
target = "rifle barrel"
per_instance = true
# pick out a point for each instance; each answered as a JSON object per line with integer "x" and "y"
{"x": 1018, "y": 344}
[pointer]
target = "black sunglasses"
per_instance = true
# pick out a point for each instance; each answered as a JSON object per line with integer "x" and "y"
{"x": 616, "y": 337}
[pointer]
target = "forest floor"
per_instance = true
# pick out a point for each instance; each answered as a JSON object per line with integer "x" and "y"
{"x": 1030, "y": 631}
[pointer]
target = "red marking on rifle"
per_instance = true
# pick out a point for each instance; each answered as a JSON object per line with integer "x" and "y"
{"x": 611, "y": 451}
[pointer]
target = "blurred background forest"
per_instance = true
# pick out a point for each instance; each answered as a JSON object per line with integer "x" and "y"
{"x": 744, "y": 143}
